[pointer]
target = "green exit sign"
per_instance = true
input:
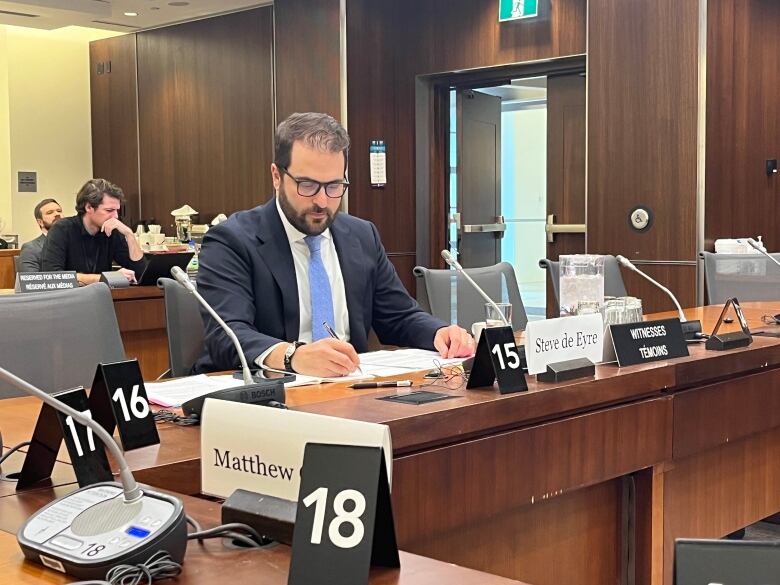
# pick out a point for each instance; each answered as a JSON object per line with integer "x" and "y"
{"x": 517, "y": 9}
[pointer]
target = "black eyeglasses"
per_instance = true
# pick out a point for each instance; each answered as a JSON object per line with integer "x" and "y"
{"x": 309, "y": 187}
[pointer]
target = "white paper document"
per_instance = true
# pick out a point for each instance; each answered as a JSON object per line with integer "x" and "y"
{"x": 174, "y": 393}
{"x": 402, "y": 361}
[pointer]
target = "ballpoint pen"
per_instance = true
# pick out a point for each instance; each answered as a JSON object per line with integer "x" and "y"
{"x": 393, "y": 384}
{"x": 332, "y": 333}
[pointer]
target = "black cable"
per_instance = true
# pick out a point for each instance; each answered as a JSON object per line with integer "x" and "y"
{"x": 194, "y": 523}
{"x": 12, "y": 450}
{"x": 232, "y": 530}
{"x": 172, "y": 417}
{"x": 157, "y": 567}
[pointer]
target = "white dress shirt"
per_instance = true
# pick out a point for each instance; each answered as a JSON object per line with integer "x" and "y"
{"x": 301, "y": 256}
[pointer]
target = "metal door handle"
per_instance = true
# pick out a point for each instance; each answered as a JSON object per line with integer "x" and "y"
{"x": 481, "y": 228}
{"x": 552, "y": 228}
{"x": 484, "y": 227}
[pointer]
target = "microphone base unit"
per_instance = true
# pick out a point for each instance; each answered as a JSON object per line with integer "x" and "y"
{"x": 691, "y": 329}
{"x": 92, "y": 529}
{"x": 265, "y": 392}
{"x": 726, "y": 341}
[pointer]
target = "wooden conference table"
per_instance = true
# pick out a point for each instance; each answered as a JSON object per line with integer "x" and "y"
{"x": 209, "y": 562}
{"x": 585, "y": 482}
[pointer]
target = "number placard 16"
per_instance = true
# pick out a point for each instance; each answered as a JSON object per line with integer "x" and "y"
{"x": 118, "y": 399}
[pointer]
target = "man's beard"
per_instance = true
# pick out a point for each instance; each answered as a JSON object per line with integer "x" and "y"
{"x": 298, "y": 220}
{"x": 47, "y": 226}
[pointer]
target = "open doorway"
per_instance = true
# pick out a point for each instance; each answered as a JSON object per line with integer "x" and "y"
{"x": 502, "y": 148}
{"x": 500, "y": 165}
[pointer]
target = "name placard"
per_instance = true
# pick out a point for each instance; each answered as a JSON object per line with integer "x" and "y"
{"x": 261, "y": 449}
{"x": 647, "y": 341}
{"x": 29, "y": 282}
{"x": 563, "y": 339}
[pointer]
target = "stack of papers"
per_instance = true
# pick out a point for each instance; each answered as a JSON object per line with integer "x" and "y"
{"x": 174, "y": 393}
{"x": 402, "y": 361}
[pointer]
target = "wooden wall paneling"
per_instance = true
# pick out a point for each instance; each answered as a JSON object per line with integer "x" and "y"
{"x": 307, "y": 56}
{"x": 642, "y": 126}
{"x": 114, "y": 107}
{"x": 679, "y": 278}
{"x": 388, "y": 45}
{"x": 7, "y": 268}
{"x": 371, "y": 90}
{"x": 743, "y": 122}
{"x": 404, "y": 264}
{"x": 449, "y": 35}
{"x": 206, "y": 115}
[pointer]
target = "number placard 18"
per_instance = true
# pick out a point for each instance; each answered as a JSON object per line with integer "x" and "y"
{"x": 118, "y": 399}
{"x": 344, "y": 521}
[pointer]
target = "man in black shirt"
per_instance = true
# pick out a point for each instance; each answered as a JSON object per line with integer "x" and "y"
{"x": 90, "y": 241}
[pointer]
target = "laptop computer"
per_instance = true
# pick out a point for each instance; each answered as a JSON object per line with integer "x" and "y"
{"x": 160, "y": 264}
{"x": 726, "y": 562}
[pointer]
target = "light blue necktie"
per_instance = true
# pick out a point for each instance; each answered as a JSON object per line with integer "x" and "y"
{"x": 319, "y": 287}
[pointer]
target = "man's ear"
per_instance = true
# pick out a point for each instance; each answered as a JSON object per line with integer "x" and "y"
{"x": 276, "y": 176}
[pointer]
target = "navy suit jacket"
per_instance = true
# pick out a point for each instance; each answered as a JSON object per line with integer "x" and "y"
{"x": 247, "y": 275}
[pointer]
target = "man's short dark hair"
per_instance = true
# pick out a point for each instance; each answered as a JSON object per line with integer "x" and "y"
{"x": 37, "y": 211}
{"x": 93, "y": 191}
{"x": 319, "y": 131}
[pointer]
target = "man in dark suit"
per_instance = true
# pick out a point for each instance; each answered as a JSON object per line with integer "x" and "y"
{"x": 46, "y": 213}
{"x": 299, "y": 282}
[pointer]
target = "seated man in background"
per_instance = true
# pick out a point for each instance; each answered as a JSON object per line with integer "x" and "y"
{"x": 299, "y": 282}
{"x": 46, "y": 213}
{"x": 94, "y": 238}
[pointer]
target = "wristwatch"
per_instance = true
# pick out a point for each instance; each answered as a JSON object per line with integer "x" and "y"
{"x": 289, "y": 353}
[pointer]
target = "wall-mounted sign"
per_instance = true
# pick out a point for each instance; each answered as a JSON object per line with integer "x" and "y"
{"x": 517, "y": 9}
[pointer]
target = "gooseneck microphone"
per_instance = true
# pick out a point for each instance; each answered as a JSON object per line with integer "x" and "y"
{"x": 756, "y": 245}
{"x": 184, "y": 280}
{"x": 86, "y": 532}
{"x": 450, "y": 259}
{"x": 267, "y": 392}
{"x": 691, "y": 329}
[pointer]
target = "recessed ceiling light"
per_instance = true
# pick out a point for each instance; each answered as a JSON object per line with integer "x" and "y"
{"x": 131, "y": 14}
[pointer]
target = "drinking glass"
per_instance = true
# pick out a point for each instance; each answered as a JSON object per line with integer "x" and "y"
{"x": 494, "y": 319}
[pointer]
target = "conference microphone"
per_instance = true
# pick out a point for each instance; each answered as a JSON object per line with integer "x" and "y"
{"x": 760, "y": 248}
{"x": 270, "y": 392}
{"x": 450, "y": 259}
{"x": 691, "y": 329}
{"x": 92, "y": 529}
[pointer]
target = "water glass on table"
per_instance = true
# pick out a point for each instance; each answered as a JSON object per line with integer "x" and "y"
{"x": 498, "y": 318}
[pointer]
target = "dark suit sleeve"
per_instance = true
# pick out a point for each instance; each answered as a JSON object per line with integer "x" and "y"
{"x": 397, "y": 318}
{"x": 55, "y": 250}
{"x": 30, "y": 257}
{"x": 225, "y": 281}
